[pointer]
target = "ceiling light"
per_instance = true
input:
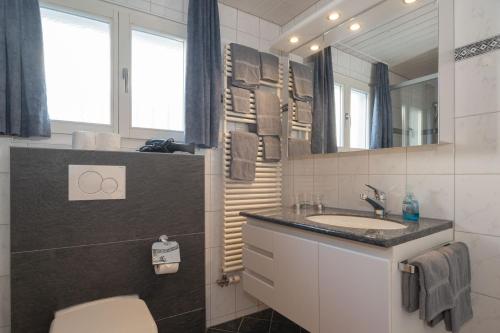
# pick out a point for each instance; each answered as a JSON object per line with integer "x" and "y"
{"x": 354, "y": 26}
{"x": 409, "y": 1}
{"x": 294, "y": 40}
{"x": 333, "y": 16}
{"x": 314, "y": 47}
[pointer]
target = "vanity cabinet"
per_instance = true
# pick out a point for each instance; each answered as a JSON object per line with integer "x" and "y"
{"x": 354, "y": 291}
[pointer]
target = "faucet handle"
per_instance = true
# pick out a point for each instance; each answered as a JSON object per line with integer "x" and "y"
{"x": 373, "y": 188}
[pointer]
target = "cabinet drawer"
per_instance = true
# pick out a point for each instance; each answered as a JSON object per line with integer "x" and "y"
{"x": 258, "y": 288}
{"x": 258, "y": 263}
{"x": 258, "y": 237}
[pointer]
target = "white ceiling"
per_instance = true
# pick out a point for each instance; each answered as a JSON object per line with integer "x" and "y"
{"x": 276, "y": 11}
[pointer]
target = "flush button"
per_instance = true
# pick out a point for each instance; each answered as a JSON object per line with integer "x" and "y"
{"x": 90, "y": 182}
{"x": 109, "y": 185}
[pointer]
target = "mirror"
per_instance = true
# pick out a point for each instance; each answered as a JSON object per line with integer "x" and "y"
{"x": 403, "y": 36}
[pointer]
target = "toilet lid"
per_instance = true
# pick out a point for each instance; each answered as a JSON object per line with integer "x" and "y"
{"x": 124, "y": 314}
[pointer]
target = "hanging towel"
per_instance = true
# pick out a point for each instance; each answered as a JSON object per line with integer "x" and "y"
{"x": 268, "y": 113}
{"x": 457, "y": 256}
{"x": 244, "y": 148}
{"x": 436, "y": 294}
{"x": 302, "y": 81}
{"x": 269, "y": 67}
{"x": 298, "y": 148}
{"x": 240, "y": 99}
{"x": 410, "y": 291}
{"x": 272, "y": 148}
{"x": 303, "y": 112}
{"x": 246, "y": 66}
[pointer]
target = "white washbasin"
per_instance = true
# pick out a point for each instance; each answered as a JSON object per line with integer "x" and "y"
{"x": 356, "y": 222}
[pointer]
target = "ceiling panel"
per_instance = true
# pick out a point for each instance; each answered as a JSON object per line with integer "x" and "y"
{"x": 276, "y": 11}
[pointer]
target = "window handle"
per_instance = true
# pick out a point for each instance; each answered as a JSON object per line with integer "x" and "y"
{"x": 125, "y": 78}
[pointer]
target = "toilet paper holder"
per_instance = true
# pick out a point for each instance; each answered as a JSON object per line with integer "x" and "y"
{"x": 165, "y": 252}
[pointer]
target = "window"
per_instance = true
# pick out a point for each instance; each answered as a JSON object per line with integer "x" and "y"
{"x": 339, "y": 114}
{"x": 77, "y": 53}
{"x": 157, "y": 82}
{"x": 359, "y": 120}
{"x": 109, "y": 68}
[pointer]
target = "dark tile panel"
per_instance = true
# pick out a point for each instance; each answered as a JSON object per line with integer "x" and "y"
{"x": 46, "y": 281}
{"x": 165, "y": 195}
{"x": 192, "y": 322}
{"x": 230, "y": 326}
{"x": 252, "y": 325}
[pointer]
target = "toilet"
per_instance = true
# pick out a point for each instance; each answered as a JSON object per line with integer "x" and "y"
{"x": 122, "y": 314}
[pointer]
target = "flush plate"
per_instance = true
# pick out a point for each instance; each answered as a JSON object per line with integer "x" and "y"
{"x": 96, "y": 182}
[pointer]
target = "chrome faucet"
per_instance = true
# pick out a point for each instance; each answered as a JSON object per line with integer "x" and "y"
{"x": 378, "y": 201}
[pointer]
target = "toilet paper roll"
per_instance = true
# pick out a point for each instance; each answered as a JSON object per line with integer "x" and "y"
{"x": 108, "y": 141}
{"x": 84, "y": 140}
{"x": 166, "y": 268}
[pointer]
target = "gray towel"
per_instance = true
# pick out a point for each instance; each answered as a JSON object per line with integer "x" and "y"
{"x": 269, "y": 67}
{"x": 302, "y": 81}
{"x": 298, "y": 147}
{"x": 268, "y": 113}
{"x": 411, "y": 289}
{"x": 246, "y": 66}
{"x": 240, "y": 99}
{"x": 244, "y": 148}
{"x": 436, "y": 294}
{"x": 303, "y": 112}
{"x": 272, "y": 148}
{"x": 457, "y": 256}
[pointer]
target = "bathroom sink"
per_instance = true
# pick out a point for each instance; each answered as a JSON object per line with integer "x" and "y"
{"x": 356, "y": 222}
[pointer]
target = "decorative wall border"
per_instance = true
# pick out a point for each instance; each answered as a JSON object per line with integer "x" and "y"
{"x": 478, "y": 48}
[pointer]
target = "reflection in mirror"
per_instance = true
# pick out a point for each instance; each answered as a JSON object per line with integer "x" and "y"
{"x": 399, "y": 41}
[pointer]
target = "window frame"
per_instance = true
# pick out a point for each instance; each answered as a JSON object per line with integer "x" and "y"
{"x": 122, "y": 20}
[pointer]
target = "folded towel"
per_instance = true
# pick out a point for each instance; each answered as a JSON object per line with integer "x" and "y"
{"x": 303, "y": 112}
{"x": 411, "y": 290}
{"x": 240, "y": 99}
{"x": 436, "y": 294}
{"x": 244, "y": 148}
{"x": 302, "y": 81}
{"x": 272, "y": 148}
{"x": 246, "y": 66}
{"x": 269, "y": 67}
{"x": 457, "y": 256}
{"x": 298, "y": 148}
{"x": 268, "y": 113}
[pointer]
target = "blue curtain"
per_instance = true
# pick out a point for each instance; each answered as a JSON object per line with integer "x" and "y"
{"x": 381, "y": 124}
{"x": 203, "y": 74}
{"x": 323, "y": 135}
{"x": 23, "y": 98}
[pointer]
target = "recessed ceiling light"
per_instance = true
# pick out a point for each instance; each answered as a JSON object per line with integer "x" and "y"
{"x": 354, "y": 26}
{"x": 314, "y": 47}
{"x": 333, "y": 16}
{"x": 409, "y": 1}
{"x": 294, "y": 39}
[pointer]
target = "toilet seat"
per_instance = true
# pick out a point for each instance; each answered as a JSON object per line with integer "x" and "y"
{"x": 123, "y": 314}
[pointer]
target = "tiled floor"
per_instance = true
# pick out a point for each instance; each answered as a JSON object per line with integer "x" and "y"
{"x": 267, "y": 321}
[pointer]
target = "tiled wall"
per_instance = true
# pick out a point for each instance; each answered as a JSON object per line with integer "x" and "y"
{"x": 222, "y": 303}
{"x": 460, "y": 181}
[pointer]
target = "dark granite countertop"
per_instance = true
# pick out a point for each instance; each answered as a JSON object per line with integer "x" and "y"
{"x": 383, "y": 238}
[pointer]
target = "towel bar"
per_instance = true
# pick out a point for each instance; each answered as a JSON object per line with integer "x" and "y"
{"x": 405, "y": 267}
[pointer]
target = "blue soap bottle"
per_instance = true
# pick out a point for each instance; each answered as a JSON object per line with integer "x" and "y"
{"x": 410, "y": 208}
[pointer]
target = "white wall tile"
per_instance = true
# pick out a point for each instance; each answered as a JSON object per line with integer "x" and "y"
{"x": 4, "y": 198}
{"x": 287, "y": 198}
{"x": 4, "y": 301}
{"x": 247, "y": 39}
{"x": 5, "y": 154}
{"x": 430, "y": 159}
{"x": 353, "y": 163}
{"x": 476, "y": 20}
{"x": 248, "y": 23}
{"x": 303, "y": 167}
{"x": 388, "y": 161}
{"x": 5, "y": 329}
{"x": 395, "y": 188}
{"x": 177, "y": 5}
{"x": 244, "y": 300}
{"x": 434, "y": 193}
{"x": 477, "y": 146}
{"x": 4, "y": 250}
{"x": 486, "y": 315}
{"x": 325, "y": 164}
{"x": 485, "y": 262}
{"x": 223, "y": 300}
{"x": 215, "y": 264}
{"x": 168, "y": 13}
{"x": 228, "y": 16}
{"x": 477, "y": 208}
{"x": 269, "y": 31}
{"x": 327, "y": 186}
{"x": 304, "y": 186}
{"x": 477, "y": 84}
{"x": 350, "y": 188}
